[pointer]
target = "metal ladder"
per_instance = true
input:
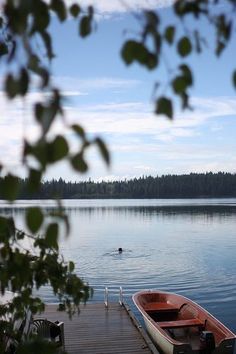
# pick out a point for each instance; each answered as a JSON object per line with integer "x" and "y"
{"x": 106, "y": 297}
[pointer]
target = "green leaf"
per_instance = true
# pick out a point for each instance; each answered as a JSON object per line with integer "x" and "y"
{"x": 35, "y": 66}
{"x": 151, "y": 61}
{"x": 11, "y": 86}
{"x": 3, "y": 49}
{"x": 23, "y": 82}
{"x": 10, "y": 187}
{"x": 27, "y": 149}
{"x": 48, "y": 44}
{"x": 58, "y": 149}
{"x": 3, "y": 229}
{"x": 234, "y": 78}
{"x": 51, "y": 236}
{"x": 184, "y": 46}
{"x": 127, "y": 51}
{"x": 39, "y": 111}
{"x": 136, "y": 51}
{"x": 179, "y": 84}
{"x": 67, "y": 224}
{"x": 34, "y": 219}
{"x": 152, "y": 18}
{"x": 169, "y": 34}
{"x": 3, "y": 223}
{"x": 220, "y": 47}
{"x": 183, "y": 7}
{"x": 224, "y": 30}
{"x": 185, "y": 98}
{"x": 78, "y": 130}
{"x": 78, "y": 163}
{"x": 39, "y": 151}
{"x": 14, "y": 87}
{"x": 103, "y": 150}
{"x": 58, "y": 6}
{"x": 71, "y": 266}
{"x": 33, "y": 63}
{"x": 41, "y": 16}
{"x": 179, "y": 7}
{"x": 45, "y": 114}
{"x": 164, "y": 106}
{"x": 75, "y": 10}
{"x": 187, "y": 73}
{"x": 45, "y": 77}
{"x": 34, "y": 180}
{"x": 85, "y": 26}
{"x": 157, "y": 42}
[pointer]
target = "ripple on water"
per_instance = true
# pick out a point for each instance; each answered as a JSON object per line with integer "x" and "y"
{"x": 125, "y": 254}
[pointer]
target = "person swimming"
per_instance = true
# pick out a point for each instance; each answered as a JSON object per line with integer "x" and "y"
{"x": 120, "y": 249}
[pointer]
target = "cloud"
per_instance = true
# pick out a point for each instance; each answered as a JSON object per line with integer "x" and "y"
{"x": 121, "y": 6}
{"x": 131, "y": 117}
{"x": 99, "y": 83}
{"x": 137, "y": 118}
{"x": 145, "y": 168}
{"x": 118, "y": 106}
{"x": 131, "y": 130}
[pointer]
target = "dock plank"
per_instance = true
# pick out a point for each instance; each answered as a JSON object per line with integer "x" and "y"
{"x": 97, "y": 330}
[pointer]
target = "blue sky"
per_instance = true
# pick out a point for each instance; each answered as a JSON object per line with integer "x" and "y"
{"x": 115, "y": 101}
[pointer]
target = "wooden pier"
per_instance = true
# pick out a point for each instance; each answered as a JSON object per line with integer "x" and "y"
{"x": 100, "y": 330}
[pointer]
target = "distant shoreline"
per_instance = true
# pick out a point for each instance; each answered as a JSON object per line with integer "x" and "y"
{"x": 187, "y": 186}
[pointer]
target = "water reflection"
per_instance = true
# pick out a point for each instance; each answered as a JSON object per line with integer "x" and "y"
{"x": 207, "y": 211}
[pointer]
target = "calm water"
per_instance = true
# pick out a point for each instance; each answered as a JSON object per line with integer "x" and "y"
{"x": 184, "y": 246}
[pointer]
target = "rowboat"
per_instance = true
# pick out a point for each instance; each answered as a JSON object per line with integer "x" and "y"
{"x": 177, "y": 325}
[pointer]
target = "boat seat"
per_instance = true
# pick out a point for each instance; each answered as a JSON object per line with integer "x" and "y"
{"x": 160, "y": 306}
{"x": 193, "y": 322}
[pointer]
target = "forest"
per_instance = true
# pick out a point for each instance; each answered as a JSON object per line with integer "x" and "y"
{"x": 193, "y": 185}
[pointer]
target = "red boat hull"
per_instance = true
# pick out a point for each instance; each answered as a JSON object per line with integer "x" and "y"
{"x": 179, "y": 325}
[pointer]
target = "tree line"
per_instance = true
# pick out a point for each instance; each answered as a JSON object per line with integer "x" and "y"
{"x": 193, "y": 185}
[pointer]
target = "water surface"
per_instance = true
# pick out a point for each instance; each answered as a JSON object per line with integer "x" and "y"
{"x": 184, "y": 246}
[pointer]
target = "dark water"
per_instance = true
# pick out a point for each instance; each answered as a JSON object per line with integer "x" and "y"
{"x": 183, "y": 246}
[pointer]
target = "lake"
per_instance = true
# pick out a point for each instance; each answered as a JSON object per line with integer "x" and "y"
{"x": 183, "y": 246}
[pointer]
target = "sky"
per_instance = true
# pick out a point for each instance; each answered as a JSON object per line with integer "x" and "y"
{"x": 115, "y": 102}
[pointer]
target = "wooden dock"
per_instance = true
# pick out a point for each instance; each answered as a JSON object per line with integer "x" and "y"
{"x": 100, "y": 330}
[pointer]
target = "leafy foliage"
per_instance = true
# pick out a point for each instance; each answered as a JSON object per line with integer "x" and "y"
{"x": 164, "y": 106}
{"x": 22, "y": 269}
{"x": 152, "y": 44}
{"x": 86, "y": 23}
